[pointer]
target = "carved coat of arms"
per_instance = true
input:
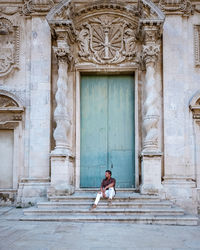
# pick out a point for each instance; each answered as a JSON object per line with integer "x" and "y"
{"x": 107, "y": 39}
{"x": 8, "y": 46}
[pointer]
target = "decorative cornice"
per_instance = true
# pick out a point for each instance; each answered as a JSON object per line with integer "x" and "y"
{"x": 146, "y": 10}
{"x": 37, "y": 7}
{"x": 177, "y": 7}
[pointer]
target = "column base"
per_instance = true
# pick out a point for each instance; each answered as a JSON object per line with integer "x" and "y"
{"x": 62, "y": 173}
{"x": 182, "y": 191}
{"x": 151, "y": 173}
{"x": 32, "y": 190}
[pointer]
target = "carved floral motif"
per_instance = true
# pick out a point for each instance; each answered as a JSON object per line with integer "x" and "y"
{"x": 150, "y": 53}
{"x": 9, "y": 46}
{"x": 107, "y": 39}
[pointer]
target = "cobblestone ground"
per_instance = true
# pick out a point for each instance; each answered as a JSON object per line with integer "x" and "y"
{"x": 15, "y": 234}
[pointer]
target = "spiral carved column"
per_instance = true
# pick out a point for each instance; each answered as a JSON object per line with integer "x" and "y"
{"x": 151, "y": 104}
{"x": 61, "y": 116}
{"x": 61, "y": 156}
{"x": 151, "y": 155}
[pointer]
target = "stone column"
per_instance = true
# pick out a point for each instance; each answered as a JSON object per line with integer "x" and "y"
{"x": 151, "y": 154}
{"x": 61, "y": 166}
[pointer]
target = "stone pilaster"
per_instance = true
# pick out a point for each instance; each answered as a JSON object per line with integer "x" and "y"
{"x": 151, "y": 156}
{"x": 61, "y": 156}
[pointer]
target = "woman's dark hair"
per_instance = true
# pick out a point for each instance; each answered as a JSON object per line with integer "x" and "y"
{"x": 108, "y": 171}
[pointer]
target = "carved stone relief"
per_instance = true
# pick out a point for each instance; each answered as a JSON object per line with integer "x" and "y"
{"x": 195, "y": 107}
{"x": 107, "y": 39}
{"x": 37, "y": 6}
{"x": 11, "y": 10}
{"x": 183, "y": 7}
{"x": 6, "y": 102}
{"x": 9, "y": 46}
{"x": 197, "y": 44}
{"x": 10, "y": 110}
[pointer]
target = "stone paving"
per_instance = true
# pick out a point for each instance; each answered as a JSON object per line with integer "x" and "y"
{"x": 21, "y": 235}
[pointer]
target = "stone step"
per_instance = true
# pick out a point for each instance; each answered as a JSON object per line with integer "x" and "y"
{"x": 118, "y": 190}
{"x": 186, "y": 220}
{"x": 91, "y": 197}
{"x": 125, "y": 207}
{"x": 103, "y": 203}
{"x": 108, "y": 210}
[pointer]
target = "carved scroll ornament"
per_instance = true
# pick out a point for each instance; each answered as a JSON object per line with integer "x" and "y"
{"x": 183, "y": 7}
{"x": 37, "y": 6}
{"x": 6, "y": 102}
{"x": 107, "y": 39}
{"x": 9, "y": 46}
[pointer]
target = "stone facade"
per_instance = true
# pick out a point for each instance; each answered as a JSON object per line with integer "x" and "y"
{"x": 46, "y": 45}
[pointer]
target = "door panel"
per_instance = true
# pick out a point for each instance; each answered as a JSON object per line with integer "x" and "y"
{"x": 107, "y": 129}
{"x": 93, "y": 130}
{"x": 121, "y": 129}
{"x": 122, "y": 162}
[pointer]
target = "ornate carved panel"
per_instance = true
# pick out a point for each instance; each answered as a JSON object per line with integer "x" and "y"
{"x": 197, "y": 44}
{"x": 9, "y": 46}
{"x": 107, "y": 39}
{"x": 103, "y": 32}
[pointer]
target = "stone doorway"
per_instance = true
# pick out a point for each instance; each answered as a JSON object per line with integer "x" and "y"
{"x": 106, "y": 37}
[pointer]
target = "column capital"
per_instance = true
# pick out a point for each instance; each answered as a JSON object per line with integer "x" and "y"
{"x": 151, "y": 33}
{"x": 150, "y": 53}
{"x": 62, "y": 51}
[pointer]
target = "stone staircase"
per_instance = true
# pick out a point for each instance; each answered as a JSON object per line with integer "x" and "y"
{"x": 127, "y": 206}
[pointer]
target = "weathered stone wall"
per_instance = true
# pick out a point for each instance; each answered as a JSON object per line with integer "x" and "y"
{"x": 33, "y": 74}
{"x": 181, "y": 81}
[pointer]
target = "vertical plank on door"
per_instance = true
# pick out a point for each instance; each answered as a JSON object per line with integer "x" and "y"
{"x": 121, "y": 129}
{"x": 93, "y": 130}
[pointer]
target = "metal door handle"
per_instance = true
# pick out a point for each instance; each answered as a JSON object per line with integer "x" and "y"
{"x": 111, "y": 165}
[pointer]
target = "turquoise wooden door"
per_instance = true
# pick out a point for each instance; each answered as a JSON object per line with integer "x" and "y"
{"x": 107, "y": 129}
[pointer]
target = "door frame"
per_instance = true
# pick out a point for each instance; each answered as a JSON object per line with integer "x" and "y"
{"x": 104, "y": 70}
